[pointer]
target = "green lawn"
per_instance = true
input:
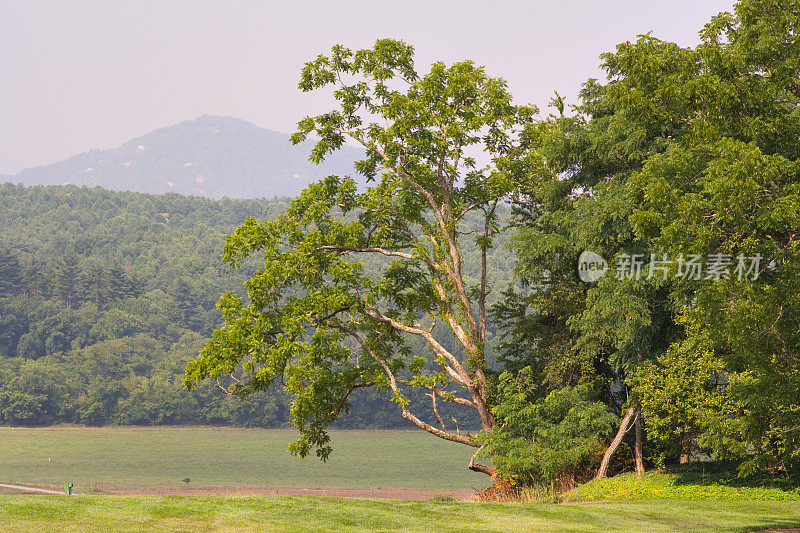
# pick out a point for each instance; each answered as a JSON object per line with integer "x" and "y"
{"x": 298, "y": 513}
{"x": 160, "y": 458}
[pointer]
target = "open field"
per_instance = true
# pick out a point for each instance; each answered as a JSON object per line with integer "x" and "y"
{"x": 155, "y": 459}
{"x": 296, "y": 513}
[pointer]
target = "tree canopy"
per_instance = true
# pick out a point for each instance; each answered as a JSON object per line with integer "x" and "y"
{"x": 682, "y": 153}
{"x": 680, "y": 169}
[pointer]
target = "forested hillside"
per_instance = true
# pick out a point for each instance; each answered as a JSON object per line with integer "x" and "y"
{"x": 105, "y": 296}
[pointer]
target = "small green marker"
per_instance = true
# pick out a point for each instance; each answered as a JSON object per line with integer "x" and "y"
{"x": 68, "y": 488}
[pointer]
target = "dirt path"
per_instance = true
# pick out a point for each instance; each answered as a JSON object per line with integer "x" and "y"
{"x": 394, "y": 493}
{"x": 30, "y": 489}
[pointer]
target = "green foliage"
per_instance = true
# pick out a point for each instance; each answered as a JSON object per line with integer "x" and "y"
{"x": 65, "y": 274}
{"x": 680, "y": 392}
{"x": 10, "y": 273}
{"x": 148, "y": 269}
{"x": 109, "y": 294}
{"x": 680, "y": 151}
{"x": 574, "y": 200}
{"x": 730, "y": 183}
{"x": 547, "y": 441}
{"x": 322, "y": 322}
{"x": 112, "y": 294}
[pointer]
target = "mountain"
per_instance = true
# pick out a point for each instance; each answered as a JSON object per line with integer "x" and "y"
{"x": 209, "y": 156}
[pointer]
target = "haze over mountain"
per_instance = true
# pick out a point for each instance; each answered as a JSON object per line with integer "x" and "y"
{"x": 209, "y": 156}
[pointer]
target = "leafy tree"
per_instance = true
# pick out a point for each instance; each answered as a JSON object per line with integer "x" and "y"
{"x": 13, "y": 324}
{"x": 576, "y": 200}
{"x": 65, "y": 282}
{"x": 31, "y": 277}
{"x": 730, "y": 185}
{"x": 94, "y": 284}
{"x": 10, "y": 273}
{"x": 316, "y": 319}
{"x": 681, "y": 151}
{"x": 21, "y": 408}
{"x": 680, "y": 393}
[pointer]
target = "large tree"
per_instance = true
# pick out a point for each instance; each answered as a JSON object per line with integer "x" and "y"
{"x": 441, "y": 152}
{"x": 684, "y": 152}
{"x": 576, "y": 200}
{"x": 729, "y": 188}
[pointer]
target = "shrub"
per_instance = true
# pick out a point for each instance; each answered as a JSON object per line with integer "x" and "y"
{"x": 555, "y": 440}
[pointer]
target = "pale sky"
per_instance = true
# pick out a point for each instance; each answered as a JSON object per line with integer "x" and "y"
{"x": 94, "y": 73}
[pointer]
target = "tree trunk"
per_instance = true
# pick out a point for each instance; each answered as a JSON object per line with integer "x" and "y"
{"x": 637, "y": 449}
{"x": 624, "y": 426}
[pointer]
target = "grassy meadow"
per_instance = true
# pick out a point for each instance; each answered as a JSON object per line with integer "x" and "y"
{"x": 161, "y": 458}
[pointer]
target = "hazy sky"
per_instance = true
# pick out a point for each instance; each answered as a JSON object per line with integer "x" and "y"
{"x": 92, "y": 74}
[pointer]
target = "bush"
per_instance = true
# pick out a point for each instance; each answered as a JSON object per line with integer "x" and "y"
{"x": 555, "y": 440}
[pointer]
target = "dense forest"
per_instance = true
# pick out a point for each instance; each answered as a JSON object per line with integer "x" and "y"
{"x": 104, "y": 298}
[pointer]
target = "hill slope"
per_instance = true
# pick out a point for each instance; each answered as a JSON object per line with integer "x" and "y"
{"x": 209, "y": 156}
{"x": 105, "y": 296}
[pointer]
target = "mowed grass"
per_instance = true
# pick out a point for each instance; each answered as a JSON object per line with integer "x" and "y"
{"x": 161, "y": 458}
{"x": 302, "y": 513}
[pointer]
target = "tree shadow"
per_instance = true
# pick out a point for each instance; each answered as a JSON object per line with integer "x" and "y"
{"x": 725, "y": 473}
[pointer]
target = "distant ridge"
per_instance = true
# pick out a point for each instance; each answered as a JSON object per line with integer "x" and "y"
{"x": 209, "y": 156}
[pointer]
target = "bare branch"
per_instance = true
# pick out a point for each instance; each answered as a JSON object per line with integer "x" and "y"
{"x": 457, "y": 399}
{"x": 348, "y": 393}
{"x": 477, "y": 467}
{"x": 457, "y": 371}
{"x": 438, "y": 432}
{"x": 223, "y": 389}
{"x": 444, "y": 395}
{"x": 432, "y": 394}
{"x": 408, "y": 415}
{"x": 472, "y": 206}
{"x": 372, "y": 249}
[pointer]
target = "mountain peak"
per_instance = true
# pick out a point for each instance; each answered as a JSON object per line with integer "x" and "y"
{"x": 210, "y": 156}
